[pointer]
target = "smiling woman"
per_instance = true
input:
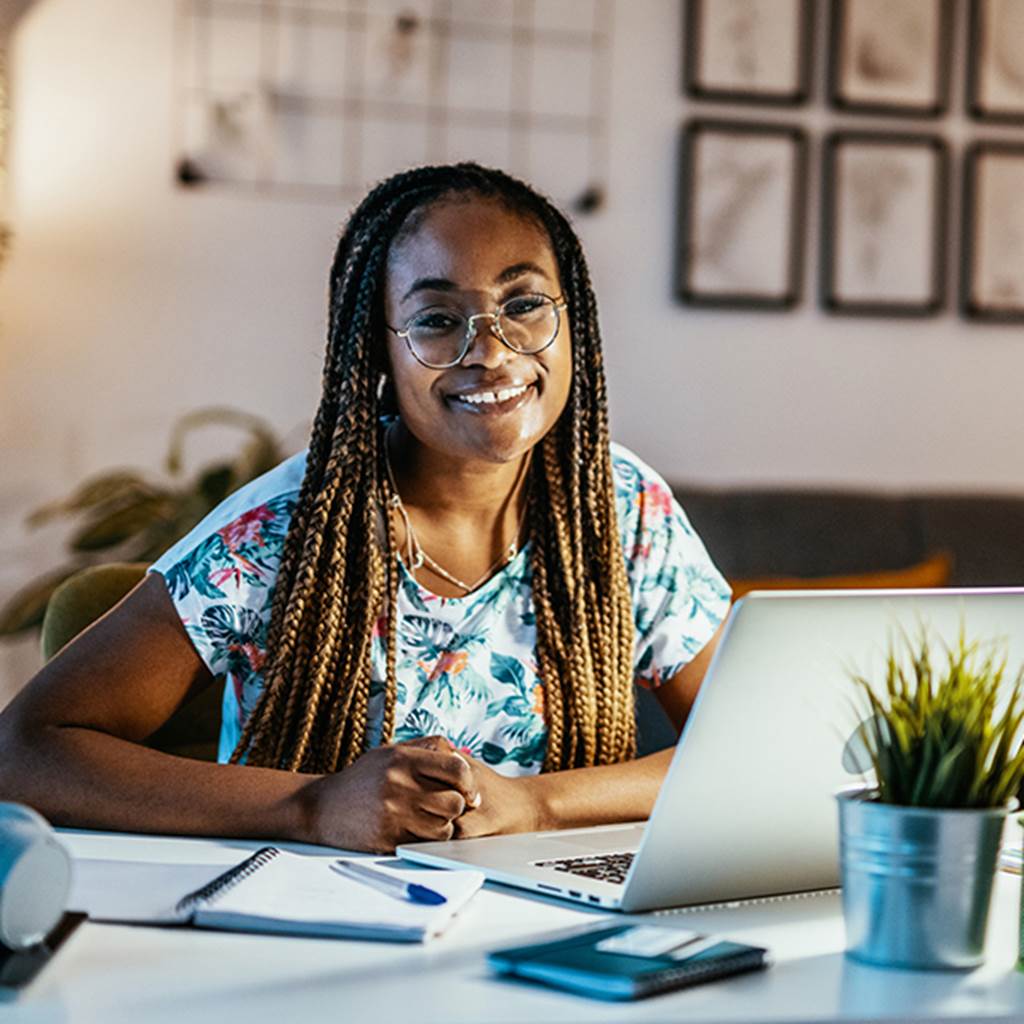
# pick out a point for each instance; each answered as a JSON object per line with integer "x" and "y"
{"x": 431, "y": 622}
{"x": 486, "y": 364}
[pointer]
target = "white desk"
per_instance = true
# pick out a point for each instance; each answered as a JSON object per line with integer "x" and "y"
{"x": 108, "y": 973}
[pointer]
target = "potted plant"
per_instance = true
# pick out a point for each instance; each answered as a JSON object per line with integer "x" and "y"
{"x": 123, "y": 515}
{"x": 918, "y": 849}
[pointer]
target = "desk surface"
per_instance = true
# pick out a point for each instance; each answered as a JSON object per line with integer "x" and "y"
{"x": 119, "y": 973}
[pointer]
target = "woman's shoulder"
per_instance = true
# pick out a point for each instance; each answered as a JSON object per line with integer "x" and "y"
{"x": 630, "y": 470}
{"x": 679, "y": 596}
{"x": 248, "y": 515}
{"x": 650, "y": 518}
{"x": 639, "y": 489}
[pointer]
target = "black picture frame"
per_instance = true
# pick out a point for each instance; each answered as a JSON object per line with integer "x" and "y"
{"x": 852, "y": 90}
{"x": 992, "y": 237}
{"x": 871, "y": 202}
{"x": 741, "y": 86}
{"x": 759, "y": 204}
{"x": 992, "y": 95}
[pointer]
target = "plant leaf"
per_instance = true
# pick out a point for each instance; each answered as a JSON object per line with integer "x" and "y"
{"x": 938, "y": 737}
{"x": 117, "y": 486}
{"x": 26, "y": 608}
{"x": 256, "y": 427}
{"x": 115, "y": 526}
{"x": 216, "y": 482}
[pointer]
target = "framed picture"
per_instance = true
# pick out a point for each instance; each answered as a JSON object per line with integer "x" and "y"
{"x": 995, "y": 73}
{"x": 883, "y": 227}
{"x": 890, "y": 56}
{"x": 741, "y": 214}
{"x": 992, "y": 268}
{"x": 749, "y": 51}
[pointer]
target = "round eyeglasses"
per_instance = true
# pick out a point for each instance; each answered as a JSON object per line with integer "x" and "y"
{"x": 440, "y": 336}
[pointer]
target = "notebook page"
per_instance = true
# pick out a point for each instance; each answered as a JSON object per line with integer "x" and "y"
{"x": 291, "y": 888}
{"x": 136, "y": 891}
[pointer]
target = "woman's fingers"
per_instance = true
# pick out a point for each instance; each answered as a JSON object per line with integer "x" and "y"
{"x": 449, "y": 769}
{"x": 436, "y": 742}
{"x": 445, "y": 803}
{"x": 429, "y": 827}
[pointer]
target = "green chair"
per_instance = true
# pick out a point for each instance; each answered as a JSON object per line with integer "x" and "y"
{"x": 79, "y": 601}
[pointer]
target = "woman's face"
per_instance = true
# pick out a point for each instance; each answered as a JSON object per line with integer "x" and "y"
{"x": 472, "y": 255}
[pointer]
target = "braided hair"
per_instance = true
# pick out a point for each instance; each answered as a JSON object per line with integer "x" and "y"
{"x": 337, "y": 584}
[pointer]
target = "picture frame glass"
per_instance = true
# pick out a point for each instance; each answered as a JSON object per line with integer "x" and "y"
{"x": 997, "y": 274}
{"x": 888, "y": 53}
{"x": 999, "y": 75}
{"x": 741, "y": 215}
{"x": 748, "y": 47}
{"x": 884, "y": 194}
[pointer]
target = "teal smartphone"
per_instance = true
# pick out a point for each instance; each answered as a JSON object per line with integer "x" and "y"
{"x": 627, "y": 961}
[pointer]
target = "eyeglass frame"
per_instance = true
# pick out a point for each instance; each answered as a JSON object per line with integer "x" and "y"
{"x": 559, "y": 304}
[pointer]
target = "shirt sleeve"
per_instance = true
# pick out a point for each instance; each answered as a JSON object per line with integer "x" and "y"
{"x": 679, "y": 596}
{"x": 221, "y": 575}
{"x": 222, "y": 586}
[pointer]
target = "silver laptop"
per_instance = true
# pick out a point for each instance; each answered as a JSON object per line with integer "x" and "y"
{"x": 747, "y": 807}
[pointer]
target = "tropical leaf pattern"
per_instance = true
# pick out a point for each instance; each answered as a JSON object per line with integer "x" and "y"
{"x": 466, "y": 667}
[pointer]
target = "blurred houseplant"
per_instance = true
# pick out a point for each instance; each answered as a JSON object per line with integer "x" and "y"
{"x": 918, "y": 849}
{"x": 124, "y": 515}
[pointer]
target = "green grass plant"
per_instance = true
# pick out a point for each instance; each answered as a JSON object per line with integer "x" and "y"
{"x": 938, "y": 735}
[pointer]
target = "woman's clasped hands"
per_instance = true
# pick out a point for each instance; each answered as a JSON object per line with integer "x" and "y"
{"x": 413, "y": 791}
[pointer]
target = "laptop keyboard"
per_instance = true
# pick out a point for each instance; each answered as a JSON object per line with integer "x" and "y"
{"x": 605, "y": 867}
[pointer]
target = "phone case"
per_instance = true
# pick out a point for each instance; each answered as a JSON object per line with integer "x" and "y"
{"x": 627, "y": 961}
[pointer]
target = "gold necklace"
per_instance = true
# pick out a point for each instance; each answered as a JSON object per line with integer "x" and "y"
{"x": 416, "y": 557}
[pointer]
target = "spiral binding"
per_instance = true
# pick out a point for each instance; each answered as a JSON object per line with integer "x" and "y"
{"x": 754, "y": 901}
{"x": 222, "y": 883}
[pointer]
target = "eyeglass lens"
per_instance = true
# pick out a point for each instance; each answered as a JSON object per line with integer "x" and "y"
{"x": 440, "y": 336}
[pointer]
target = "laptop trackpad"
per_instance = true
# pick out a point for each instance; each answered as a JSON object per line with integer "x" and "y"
{"x": 603, "y": 841}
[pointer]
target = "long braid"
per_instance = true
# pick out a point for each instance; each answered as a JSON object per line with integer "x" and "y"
{"x": 391, "y": 629}
{"x": 549, "y": 656}
{"x": 616, "y": 646}
{"x": 606, "y": 712}
{"x": 338, "y": 578}
{"x": 287, "y": 610}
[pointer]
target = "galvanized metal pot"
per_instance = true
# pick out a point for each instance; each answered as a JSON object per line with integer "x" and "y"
{"x": 917, "y": 882}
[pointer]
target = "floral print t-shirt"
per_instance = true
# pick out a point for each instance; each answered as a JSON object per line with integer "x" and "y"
{"x": 466, "y": 666}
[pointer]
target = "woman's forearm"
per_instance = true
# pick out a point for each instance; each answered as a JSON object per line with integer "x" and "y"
{"x": 600, "y": 795}
{"x": 80, "y": 777}
{"x": 71, "y": 740}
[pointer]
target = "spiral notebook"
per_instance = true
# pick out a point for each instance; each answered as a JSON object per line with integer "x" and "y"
{"x": 273, "y": 891}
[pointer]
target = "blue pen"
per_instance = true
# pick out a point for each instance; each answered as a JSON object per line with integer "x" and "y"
{"x": 396, "y": 887}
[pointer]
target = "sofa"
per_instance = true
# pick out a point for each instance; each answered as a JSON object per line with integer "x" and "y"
{"x": 812, "y": 534}
{"x": 771, "y": 538}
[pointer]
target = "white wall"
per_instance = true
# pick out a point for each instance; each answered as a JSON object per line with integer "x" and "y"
{"x": 127, "y": 300}
{"x": 797, "y": 398}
